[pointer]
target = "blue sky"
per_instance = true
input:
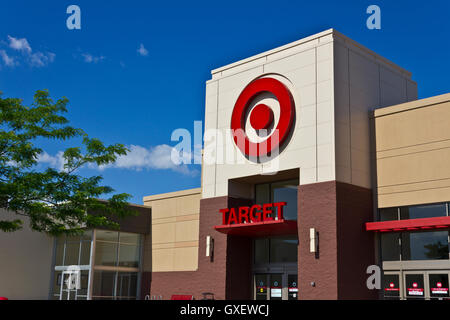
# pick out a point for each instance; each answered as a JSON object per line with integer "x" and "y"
{"x": 120, "y": 95}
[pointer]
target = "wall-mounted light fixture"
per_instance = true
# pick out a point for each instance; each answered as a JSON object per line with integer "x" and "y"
{"x": 209, "y": 246}
{"x": 313, "y": 240}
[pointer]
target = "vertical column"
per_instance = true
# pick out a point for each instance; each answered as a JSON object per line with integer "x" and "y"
{"x": 317, "y": 272}
{"x": 212, "y": 270}
{"x": 356, "y": 247}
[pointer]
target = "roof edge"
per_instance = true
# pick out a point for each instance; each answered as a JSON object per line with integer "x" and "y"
{"x": 173, "y": 194}
{"x": 415, "y": 104}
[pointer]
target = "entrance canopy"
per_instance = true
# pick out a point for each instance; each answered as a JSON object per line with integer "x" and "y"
{"x": 260, "y": 229}
{"x": 409, "y": 224}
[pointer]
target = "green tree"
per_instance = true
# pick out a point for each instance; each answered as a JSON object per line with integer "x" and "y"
{"x": 56, "y": 201}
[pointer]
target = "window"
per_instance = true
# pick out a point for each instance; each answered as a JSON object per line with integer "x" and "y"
{"x": 391, "y": 286}
{"x": 388, "y": 214}
{"x": 129, "y": 250}
{"x": 413, "y": 212}
{"x": 425, "y": 245}
{"x": 283, "y": 250}
{"x": 277, "y": 192}
{"x": 104, "y": 283}
{"x": 117, "y": 249}
{"x": 390, "y": 249}
{"x": 126, "y": 285}
{"x": 414, "y": 286}
{"x": 438, "y": 286}
{"x": 425, "y": 211}
{"x": 419, "y": 245}
{"x": 286, "y": 191}
{"x": 275, "y": 250}
{"x": 73, "y": 250}
{"x": 261, "y": 250}
{"x": 105, "y": 253}
{"x": 114, "y": 273}
{"x": 114, "y": 285}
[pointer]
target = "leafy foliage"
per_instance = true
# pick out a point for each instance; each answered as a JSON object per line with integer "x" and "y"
{"x": 56, "y": 202}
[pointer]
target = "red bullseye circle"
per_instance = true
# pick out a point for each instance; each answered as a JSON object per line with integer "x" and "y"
{"x": 261, "y": 119}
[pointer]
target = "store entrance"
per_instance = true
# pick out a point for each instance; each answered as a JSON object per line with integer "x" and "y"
{"x": 275, "y": 268}
{"x": 275, "y": 286}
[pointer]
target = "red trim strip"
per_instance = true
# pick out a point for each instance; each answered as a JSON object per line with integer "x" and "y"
{"x": 410, "y": 224}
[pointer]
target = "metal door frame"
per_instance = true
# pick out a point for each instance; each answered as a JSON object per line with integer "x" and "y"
{"x": 284, "y": 269}
{"x": 67, "y": 291}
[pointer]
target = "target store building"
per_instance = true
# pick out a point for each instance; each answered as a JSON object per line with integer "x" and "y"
{"x": 318, "y": 162}
{"x": 360, "y": 177}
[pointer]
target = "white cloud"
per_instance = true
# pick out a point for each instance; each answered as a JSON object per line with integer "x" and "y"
{"x": 7, "y": 60}
{"x": 142, "y": 51}
{"x": 56, "y": 161}
{"x": 89, "y": 58}
{"x": 161, "y": 157}
{"x": 40, "y": 59}
{"x": 34, "y": 59}
{"x": 19, "y": 44}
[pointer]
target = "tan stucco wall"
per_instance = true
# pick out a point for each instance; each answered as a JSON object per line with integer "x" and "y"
{"x": 173, "y": 241}
{"x": 413, "y": 152}
{"x": 25, "y": 261}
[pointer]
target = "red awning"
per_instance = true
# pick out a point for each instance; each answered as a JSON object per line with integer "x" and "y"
{"x": 259, "y": 229}
{"x": 409, "y": 225}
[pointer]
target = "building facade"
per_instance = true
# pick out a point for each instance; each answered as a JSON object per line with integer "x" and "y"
{"x": 318, "y": 162}
{"x": 349, "y": 158}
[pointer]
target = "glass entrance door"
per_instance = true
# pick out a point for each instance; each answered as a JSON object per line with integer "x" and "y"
{"x": 275, "y": 286}
{"x": 292, "y": 287}
{"x": 261, "y": 286}
{"x": 438, "y": 285}
{"x": 416, "y": 285}
{"x": 430, "y": 285}
{"x": 68, "y": 285}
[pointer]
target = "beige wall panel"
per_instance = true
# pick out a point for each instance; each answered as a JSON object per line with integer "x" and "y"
{"x": 175, "y": 224}
{"x": 188, "y": 205}
{"x": 163, "y": 208}
{"x": 185, "y": 259}
{"x": 410, "y": 187}
{"x": 164, "y": 220}
{"x": 413, "y": 149}
{"x": 413, "y": 152}
{"x": 188, "y": 217}
{"x": 163, "y": 233}
{"x": 414, "y": 197}
{"x": 186, "y": 231}
{"x": 162, "y": 259}
{"x": 412, "y": 168}
{"x": 414, "y": 127}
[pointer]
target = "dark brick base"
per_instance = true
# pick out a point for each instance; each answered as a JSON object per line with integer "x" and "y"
{"x": 336, "y": 210}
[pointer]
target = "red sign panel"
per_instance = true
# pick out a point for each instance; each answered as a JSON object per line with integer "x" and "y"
{"x": 255, "y": 213}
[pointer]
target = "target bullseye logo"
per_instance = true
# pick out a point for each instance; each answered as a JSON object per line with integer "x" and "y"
{"x": 262, "y": 117}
